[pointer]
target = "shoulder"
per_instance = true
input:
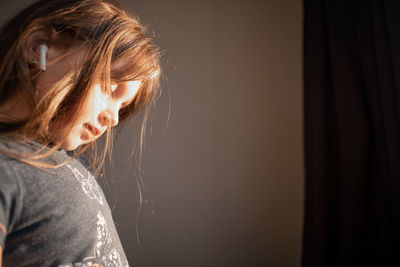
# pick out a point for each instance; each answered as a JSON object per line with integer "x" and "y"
{"x": 10, "y": 152}
{"x": 8, "y": 164}
{"x": 14, "y": 150}
{"x": 14, "y": 168}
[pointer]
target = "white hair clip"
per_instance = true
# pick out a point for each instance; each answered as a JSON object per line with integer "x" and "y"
{"x": 43, "y": 55}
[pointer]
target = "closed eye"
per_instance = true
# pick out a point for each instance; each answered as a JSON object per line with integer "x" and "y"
{"x": 114, "y": 87}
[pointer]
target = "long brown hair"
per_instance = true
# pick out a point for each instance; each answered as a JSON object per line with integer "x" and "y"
{"x": 118, "y": 49}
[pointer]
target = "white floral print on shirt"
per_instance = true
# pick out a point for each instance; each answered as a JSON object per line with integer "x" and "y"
{"x": 89, "y": 184}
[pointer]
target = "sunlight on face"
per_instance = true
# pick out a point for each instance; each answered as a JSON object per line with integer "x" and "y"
{"x": 99, "y": 112}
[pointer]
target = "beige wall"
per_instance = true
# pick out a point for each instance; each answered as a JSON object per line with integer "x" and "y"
{"x": 225, "y": 174}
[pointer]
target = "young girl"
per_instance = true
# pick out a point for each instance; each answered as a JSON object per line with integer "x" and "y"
{"x": 70, "y": 70}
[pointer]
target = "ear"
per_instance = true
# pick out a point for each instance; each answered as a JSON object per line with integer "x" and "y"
{"x": 32, "y": 45}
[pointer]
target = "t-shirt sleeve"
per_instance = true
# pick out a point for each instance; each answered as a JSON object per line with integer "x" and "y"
{"x": 9, "y": 201}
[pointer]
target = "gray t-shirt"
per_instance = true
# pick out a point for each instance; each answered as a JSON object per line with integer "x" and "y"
{"x": 54, "y": 217}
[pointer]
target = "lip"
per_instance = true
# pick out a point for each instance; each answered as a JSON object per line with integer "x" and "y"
{"x": 91, "y": 130}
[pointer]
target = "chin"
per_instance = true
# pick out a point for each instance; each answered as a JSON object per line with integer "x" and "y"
{"x": 70, "y": 145}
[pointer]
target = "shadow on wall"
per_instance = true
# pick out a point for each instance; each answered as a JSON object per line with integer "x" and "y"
{"x": 225, "y": 176}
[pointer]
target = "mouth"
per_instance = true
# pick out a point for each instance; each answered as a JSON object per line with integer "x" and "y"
{"x": 91, "y": 131}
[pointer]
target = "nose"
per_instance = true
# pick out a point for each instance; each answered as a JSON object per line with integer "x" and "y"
{"x": 108, "y": 118}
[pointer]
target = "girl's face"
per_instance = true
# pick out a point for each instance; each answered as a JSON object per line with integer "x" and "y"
{"x": 100, "y": 109}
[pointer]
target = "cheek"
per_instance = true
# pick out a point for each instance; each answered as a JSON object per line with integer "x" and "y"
{"x": 88, "y": 110}
{"x": 99, "y": 98}
{"x": 53, "y": 74}
{"x": 92, "y": 106}
{"x": 44, "y": 83}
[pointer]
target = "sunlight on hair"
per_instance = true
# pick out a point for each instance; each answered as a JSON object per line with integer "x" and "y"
{"x": 155, "y": 74}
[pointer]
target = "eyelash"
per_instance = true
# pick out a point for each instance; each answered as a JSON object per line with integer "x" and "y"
{"x": 114, "y": 92}
{"x": 114, "y": 87}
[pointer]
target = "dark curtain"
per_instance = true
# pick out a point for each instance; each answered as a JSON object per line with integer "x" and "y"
{"x": 352, "y": 133}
